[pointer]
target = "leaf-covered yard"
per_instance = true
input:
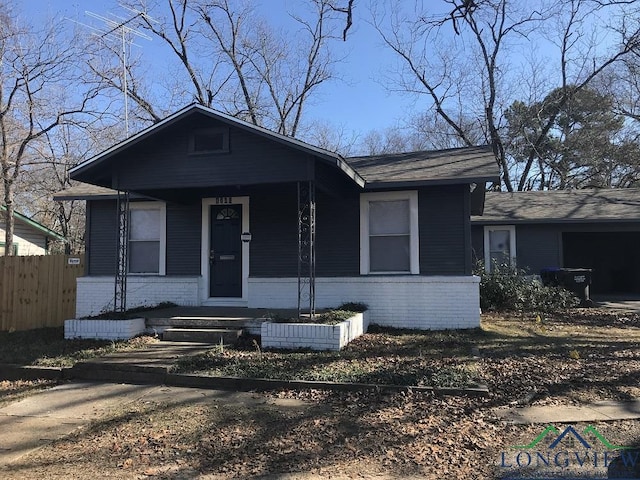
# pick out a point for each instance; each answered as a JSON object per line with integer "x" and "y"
{"x": 382, "y": 356}
{"x": 586, "y": 355}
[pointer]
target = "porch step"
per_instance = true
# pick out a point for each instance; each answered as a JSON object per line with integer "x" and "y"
{"x": 204, "y": 322}
{"x": 227, "y": 336}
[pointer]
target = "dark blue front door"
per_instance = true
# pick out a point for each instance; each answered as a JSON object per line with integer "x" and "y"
{"x": 225, "y": 254}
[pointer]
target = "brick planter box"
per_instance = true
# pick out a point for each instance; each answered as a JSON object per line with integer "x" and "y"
{"x": 104, "y": 329}
{"x": 312, "y": 335}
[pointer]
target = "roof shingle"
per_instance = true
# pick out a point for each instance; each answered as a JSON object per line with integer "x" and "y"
{"x": 455, "y": 165}
{"x": 557, "y": 206}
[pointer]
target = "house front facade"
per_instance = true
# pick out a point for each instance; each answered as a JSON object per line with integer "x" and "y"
{"x": 223, "y": 213}
{"x": 597, "y": 229}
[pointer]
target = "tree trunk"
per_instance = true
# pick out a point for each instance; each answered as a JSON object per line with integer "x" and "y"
{"x": 8, "y": 219}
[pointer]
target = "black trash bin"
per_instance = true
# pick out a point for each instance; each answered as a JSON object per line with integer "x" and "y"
{"x": 576, "y": 280}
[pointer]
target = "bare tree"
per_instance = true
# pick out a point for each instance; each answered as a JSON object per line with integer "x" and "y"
{"x": 229, "y": 59}
{"x": 467, "y": 74}
{"x": 37, "y": 71}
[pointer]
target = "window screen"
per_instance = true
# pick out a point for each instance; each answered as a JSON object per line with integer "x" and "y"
{"x": 500, "y": 247}
{"x": 144, "y": 240}
{"x": 389, "y": 236}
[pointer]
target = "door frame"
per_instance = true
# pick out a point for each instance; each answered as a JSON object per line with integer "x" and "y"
{"x": 206, "y": 300}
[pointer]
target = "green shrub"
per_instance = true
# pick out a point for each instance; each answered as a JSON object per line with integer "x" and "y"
{"x": 510, "y": 288}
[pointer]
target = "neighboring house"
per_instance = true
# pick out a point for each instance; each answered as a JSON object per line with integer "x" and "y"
{"x": 29, "y": 236}
{"x": 217, "y": 217}
{"x": 597, "y": 229}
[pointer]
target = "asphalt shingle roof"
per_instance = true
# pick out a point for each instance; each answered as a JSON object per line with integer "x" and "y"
{"x": 475, "y": 164}
{"x": 84, "y": 191}
{"x": 557, "y": 206}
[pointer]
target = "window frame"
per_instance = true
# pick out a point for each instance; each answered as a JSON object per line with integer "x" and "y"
{"x": 162, "y": 258}
{"x": 15, "y": 248}
{"x": 487, "y": 244}
{"x": 211, "y": 131}
{"x": 414, "y": 240}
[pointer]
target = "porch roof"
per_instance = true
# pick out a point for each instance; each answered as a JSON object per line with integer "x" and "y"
{"x": 561, "y": 206}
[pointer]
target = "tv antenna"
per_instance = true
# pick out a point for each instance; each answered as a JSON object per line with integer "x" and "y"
{"x": 119, "y": 29}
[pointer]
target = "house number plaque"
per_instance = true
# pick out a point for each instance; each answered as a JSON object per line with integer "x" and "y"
{"x": 224, "y": 200}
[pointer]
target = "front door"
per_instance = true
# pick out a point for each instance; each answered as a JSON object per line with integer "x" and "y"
{"x": 225, "y": 251}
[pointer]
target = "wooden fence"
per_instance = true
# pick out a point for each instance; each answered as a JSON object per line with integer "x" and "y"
{"x": 38, "y": 291}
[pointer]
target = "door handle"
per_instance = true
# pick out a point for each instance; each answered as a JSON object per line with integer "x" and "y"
{"x": 212, "y": 256}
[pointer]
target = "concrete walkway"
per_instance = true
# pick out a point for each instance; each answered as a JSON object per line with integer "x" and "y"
{"x": 593, "y": 412}
{"x": 51, "y": 414}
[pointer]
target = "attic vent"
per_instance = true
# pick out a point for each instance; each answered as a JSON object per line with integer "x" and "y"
{"x": 210, "y": 140}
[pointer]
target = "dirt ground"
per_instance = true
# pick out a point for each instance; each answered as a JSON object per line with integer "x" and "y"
{"x": 314, "y": 434}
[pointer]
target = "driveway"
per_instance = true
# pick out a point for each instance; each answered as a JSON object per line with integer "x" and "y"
{"x": 622, "y": 303}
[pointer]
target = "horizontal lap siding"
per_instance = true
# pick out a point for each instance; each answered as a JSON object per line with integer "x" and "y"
{"x": 164, "y": 161}
{"x": 338, "y": 236}
{"x": 101, "y": 230}
{"x": 537, "y": 247}
{"x": 443, "y": 215}
{"x": 477, "y": 243}
{"x": 184, "y": 235}
{"x": 274, "y": 231}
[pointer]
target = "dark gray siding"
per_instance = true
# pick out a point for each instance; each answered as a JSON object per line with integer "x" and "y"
{"x": 184, "y": 233}
{"x": 537, "y": 247}
{"x": 443, "y": 214}
{"x": 274, "y": 230}
{"x": 274, "y": 246}
{"x": 164, "y": 161}
{"x": 477, "y": 243}
{"x": 444, "y": 233}
{"x": 338, "y": 236}
{"x": 101, "y": 232}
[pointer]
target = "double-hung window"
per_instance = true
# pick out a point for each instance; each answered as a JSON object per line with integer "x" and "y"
{"x": 499, "y": 246}
{"x": 389, "y": 233}
{"x": 147, "y": 227}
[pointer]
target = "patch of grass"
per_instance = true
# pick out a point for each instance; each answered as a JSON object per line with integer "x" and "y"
{"x": 47, "y": 347}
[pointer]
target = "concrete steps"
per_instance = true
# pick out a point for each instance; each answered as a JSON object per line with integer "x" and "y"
{"x": 227, "y": 336}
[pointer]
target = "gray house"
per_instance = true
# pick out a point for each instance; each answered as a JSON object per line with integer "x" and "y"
{"x": 597, "y": 229}
{"x": 221, "y": 212}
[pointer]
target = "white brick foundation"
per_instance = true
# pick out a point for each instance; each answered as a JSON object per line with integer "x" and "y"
{"x": 95, "y": 294}
{"x": 401, "y": 301}
{"x": 407, "y": 301}
{"x": 313, "y": 336}
{"x": 104, "y": 329}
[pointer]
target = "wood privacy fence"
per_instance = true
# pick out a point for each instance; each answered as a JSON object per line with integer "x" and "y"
{"x": 38, "y": 291}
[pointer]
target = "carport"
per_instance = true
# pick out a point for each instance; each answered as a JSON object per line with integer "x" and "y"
{"x": 613, "y": 256}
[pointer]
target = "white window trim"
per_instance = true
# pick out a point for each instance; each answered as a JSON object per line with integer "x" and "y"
{"x": 512, "y": 244}
{"x": 163, "y": 235}
{"x": 414, "y": 241}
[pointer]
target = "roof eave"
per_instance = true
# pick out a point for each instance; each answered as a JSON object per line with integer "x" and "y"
{"x": 41, "y": 228}
{"x": 478, "y": 220}
{"x": 380, "y": 185}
